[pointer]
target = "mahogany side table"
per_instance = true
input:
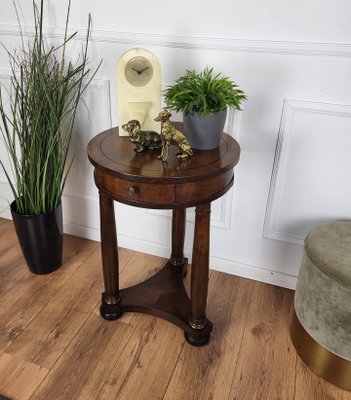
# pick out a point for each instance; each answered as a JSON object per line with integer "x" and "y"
{"x": 141, "y": 180}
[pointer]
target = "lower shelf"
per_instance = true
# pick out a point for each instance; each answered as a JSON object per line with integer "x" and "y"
{"x": 162, "y": 295}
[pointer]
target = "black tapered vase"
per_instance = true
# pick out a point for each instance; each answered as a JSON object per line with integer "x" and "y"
{"x": 41, "y": 239}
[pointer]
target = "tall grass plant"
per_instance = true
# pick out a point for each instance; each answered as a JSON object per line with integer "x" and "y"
{"x": 37, "y": 122}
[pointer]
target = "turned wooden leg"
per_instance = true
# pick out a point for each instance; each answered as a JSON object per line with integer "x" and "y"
{"x": 109, "y": 251}
{"x": 178, "y": 235}
{"x": 200, "y": 273}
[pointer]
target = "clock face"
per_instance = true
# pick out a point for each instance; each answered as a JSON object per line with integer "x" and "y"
{"x": 138, "y": 71}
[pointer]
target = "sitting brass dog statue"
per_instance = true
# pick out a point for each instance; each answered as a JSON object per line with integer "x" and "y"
{"x": 171, "y": 135}
{"x": 142, "y": 139}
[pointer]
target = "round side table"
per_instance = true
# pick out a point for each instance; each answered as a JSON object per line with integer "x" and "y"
{"x": 141, "y": 180}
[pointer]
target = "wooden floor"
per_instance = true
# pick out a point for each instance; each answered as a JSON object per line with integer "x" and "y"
{"x": 54, "y": 344}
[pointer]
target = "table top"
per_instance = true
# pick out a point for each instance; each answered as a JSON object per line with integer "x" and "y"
{"x": 115, "y": 155}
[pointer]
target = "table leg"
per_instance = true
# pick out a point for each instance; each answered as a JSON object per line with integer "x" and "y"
{"x": 200, "y": 274}
{"x": 178, "y": 235}
{"x": 109, "y": 251}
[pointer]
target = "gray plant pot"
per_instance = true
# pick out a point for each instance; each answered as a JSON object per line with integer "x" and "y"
{"x": 204, "y": 133}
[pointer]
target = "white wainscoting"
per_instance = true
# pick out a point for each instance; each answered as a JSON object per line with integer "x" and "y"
{"x": 312, "y": 170}
{"x": 294, "y": 171}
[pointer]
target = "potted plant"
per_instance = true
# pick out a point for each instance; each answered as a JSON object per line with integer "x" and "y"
{"x": 36, "y": 121}
{"x": 203, "y": 98}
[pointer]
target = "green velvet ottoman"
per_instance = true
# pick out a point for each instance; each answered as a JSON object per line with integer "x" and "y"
{"x": 321, "y": 324}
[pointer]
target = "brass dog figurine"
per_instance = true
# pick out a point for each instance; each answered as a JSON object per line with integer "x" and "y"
{"x": 171, "y": 135}
{"x": 142, "y": 139}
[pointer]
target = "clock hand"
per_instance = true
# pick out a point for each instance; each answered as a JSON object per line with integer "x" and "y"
{"x": 139, "y": 72}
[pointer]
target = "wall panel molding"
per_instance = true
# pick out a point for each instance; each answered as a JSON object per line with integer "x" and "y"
{"x": 196, "y": 42}
{"x": 5, "y": 79}
{"x": 283, "y": 151}
{"x": 220, "y": 216}
{"x": 105, "y": 86}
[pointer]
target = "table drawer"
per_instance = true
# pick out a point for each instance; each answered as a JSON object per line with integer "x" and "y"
{"x": 136, "y": 193}
{"x": 203, "y": 190}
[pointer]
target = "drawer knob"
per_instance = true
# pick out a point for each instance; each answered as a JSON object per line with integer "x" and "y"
{"x": 132, "y": 190}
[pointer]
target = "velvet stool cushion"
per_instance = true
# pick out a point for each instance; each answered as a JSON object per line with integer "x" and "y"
{"x": 321, "y": 328}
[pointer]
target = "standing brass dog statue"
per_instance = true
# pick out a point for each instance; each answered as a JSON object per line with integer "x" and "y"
{"x": 142, "y": 139}
{"x": 171, "y": 135}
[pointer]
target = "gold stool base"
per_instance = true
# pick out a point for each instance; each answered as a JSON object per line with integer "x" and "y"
{"x": 324, "y": 363}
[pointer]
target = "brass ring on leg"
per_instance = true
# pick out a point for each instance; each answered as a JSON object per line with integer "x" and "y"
{"x": 197, "y": 324}
{"x": 109, "y": 308}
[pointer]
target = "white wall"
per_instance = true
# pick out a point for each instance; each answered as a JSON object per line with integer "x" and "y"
{"x": 293, "y": 59}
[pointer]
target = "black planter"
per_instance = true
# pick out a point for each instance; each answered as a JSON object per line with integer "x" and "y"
{"x": 41, "y": 239}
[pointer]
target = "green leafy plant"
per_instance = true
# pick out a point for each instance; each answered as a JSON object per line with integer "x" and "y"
{"x": 203, "y": 93}
{"x": 37, "y": 121}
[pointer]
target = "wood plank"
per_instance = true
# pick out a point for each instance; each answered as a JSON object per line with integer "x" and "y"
{"x": 266, "y": 364}
{"x": 12, "y": 268}
{"x": 44, "y": 340}
{"x": 124, "y": 255}
{"x": 52, "y": 329}
{"x": 87, "y": 362}
{"x": 139, "y": 268}
{"x": 28, "y": 297}
{"x": 50, "y": 332}
{"x": 75, "y": 251}
{"x": 18, "y": 378}
{"x": 12, "y": 264}
{"x": 310, "y": 386}
{"x": 8, "y": 237}
{"x": 207, "y": 372}
{"x": 146, "y": 365}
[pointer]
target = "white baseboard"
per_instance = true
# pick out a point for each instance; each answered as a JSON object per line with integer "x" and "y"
{"x": 252, "y": 272}
{"x": 82, "y": 231}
